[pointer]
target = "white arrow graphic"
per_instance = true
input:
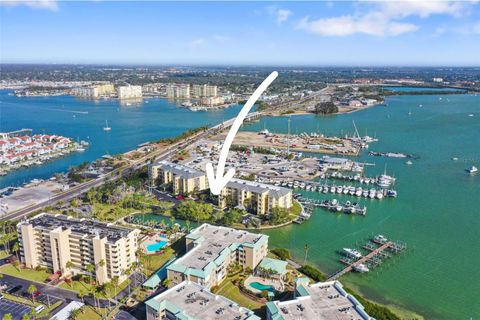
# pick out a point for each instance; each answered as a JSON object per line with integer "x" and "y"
{"x": 217, "y": 183}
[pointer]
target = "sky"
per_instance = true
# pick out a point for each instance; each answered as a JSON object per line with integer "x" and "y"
{"x": 329, "y": 33}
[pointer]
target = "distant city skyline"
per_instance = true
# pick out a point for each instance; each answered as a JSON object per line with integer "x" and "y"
{"x": 406, "y": 33}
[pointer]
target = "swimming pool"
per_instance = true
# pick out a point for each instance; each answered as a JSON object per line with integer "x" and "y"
{"x": 262, "y": 287}
{"x": 156, "y": 246}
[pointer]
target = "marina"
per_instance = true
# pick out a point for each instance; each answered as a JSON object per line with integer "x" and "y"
{"x": 348, "y": 190}
{"x": 378, "y": 249}
{"x": 335, "y": 206}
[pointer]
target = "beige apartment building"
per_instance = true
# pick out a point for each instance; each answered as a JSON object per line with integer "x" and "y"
{"x": 178, "y": 91}
{"x": 205, "y": 90}
{"x": 53, "y": 241}
{"x": 94, "y": 91}
{"x": 211, "y": 249}
{"x": 259, "y": 197}
{"x": 129, "y": 92}
{"x": 183, "y": 179}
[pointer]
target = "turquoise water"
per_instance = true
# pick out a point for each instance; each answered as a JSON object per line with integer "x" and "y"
{"x": 156, "y": 246}
{"x": 131, "y": 125}
{"x": 420, "y": 89}
{"x": 436, "y": 211}
{"x": 262, "y": 287}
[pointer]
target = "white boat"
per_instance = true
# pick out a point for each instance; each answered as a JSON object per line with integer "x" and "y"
{"x": 380, "y": 238}
{"x": 361, "y": 268}
{"x": 454, "y": 158}
{"x": 80, "y": 149}
{"x": 106, "y": 128}
{"x": 472, "y": 169}
{"x": 379, "y": 195}
{"x": 352, "y": 253}
{"x": 409, "y": 162}
{"x": 471, "y": 115}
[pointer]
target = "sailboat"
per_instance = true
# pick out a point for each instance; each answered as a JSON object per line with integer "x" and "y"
{"x": 106, "y": 128}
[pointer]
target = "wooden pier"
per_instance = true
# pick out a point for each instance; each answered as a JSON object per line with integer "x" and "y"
{"x": 374, "y": 257}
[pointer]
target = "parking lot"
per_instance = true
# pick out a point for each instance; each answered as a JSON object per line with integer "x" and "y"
{"x": 15, "y": 309}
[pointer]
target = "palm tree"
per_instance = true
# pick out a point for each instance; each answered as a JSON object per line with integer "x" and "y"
{"x": 74, "y": 314}
{"x": 7, "y": 316}
{"x": 306, "y": 247}
{"x": 69, "y": 266}
{"x": 31, "y": 290}
{"x": 90, "y": 269}
{"x": 187, "y": 224}
{"x": 16, "y": 248}
{"x": 166, "y": 283}
{"x": 115, "y": 282}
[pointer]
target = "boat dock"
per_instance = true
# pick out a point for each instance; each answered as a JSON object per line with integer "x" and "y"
{"x": 335, "y": 206}
{"x": 378, "y": 251}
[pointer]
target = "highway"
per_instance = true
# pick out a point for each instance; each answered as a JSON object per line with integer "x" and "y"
{"x": 119, "y": 172}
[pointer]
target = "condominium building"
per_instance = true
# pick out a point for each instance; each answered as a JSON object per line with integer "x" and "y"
{"x": 94, "y": 91}
{"x": 53, "y": 241}
{"x": 205, "y": 90}
{"x": 188, "y": 300}
{"x": 322, "y": 300}
{"x": 211, "y": 101}
{"x": 129, "y": 92}
{"x": 183, "y": 179}
{"x": 211, "y": 249}
{"x": 178, "y": 91}
{"x": 258, "y": 197}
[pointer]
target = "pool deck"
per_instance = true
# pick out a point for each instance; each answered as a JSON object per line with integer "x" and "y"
{"x": 153, "y": 240}
{"x": 269, "y": 282}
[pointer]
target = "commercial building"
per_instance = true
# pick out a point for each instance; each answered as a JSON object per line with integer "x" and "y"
{"x": 178, "y": 91}
{"x": 254, "y": 196}
{"x": 211, "y": 249}
{"x": 182, "y": 179}
{"x": 188, "y": 300}
{"x": 322, "y": 300}
{"x": 205, "y": 90}
{"x": 94, "y": 91}
{"x": 53, "y": 241}
{"x": 129, "y": 92}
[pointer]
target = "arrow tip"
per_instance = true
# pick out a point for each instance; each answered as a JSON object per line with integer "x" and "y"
{"x": 216, "y": 184}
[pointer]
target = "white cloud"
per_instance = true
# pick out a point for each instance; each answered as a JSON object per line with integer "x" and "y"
{"x": 383, "y": 18}
{"x": 37, "y": 4}
{"x": 220, "y": 38}
{"x": 281, "y": 15}
{"x": 197, "y": 43}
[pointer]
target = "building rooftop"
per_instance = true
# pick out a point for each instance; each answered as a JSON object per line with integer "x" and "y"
{"x": 189, "y": 300}
{"x": 323, "y": 300}
{"x": 212, "y": 245}
{"x": 279, "y": 266}
{"x": 258, "y": 187}
{"x": 84, "y": 227}
{"x": 178, "y": 169}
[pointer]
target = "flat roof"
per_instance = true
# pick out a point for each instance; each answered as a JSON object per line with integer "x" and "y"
{"x": 322, "y": 300}
{"x": 178, "y": 169}
{"x": 189, "y": 300}
{"x": 88, "y": 227}
{"x": 212, "y": 244}
{"x": 258, "y": 187}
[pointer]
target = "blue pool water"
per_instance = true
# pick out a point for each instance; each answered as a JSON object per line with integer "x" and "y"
{"x": 156, "y": 246}
{"x": 262, "y": 287}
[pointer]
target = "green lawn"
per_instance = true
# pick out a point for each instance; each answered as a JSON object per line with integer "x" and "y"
{"x": 29, "y": 274}
{"x": 232, "y": 292}
{"x": 154, "y": 262}
{"x": 90, "y": 313}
